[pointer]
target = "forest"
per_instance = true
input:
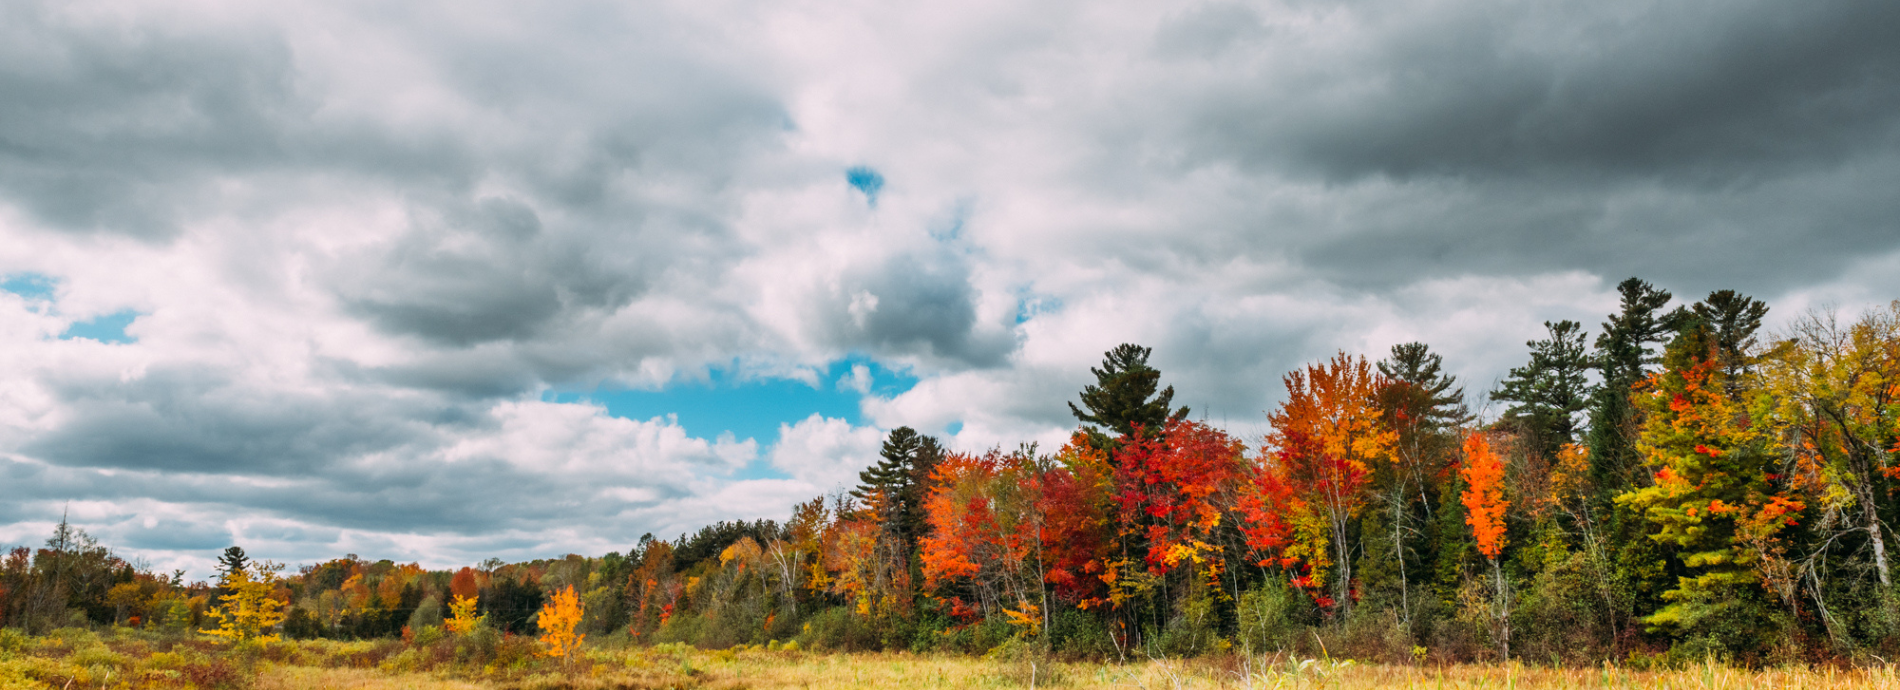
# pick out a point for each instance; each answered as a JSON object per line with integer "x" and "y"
{"x": 1679, "y": 485}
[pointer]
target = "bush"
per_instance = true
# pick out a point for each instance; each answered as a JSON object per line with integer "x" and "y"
{"x": 1076, "y": 635}
{"x": 838, "y": 628}
{"x": 427, "y": 614}
{"x": 1269, "y": 618}
{"x": 1374, "y": 634}
{"x": 12, "y": 641}
{"x": 1193, "y": 633}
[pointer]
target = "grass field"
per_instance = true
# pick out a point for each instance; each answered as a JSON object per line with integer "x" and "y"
{"x": 78, "y": 659}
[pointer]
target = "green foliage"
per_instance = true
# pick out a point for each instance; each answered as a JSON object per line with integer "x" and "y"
{"x": 1119, "y": 400}
{"x": 1270, "y": 618}
{"x": 1622, "y": 358}
{"x": 1551, "y": 389}
{"x": 1075, "y": 634}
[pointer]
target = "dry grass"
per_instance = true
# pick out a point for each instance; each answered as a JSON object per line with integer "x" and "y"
{"x": 779, "y": 670}
{"x": 85, "y": 660}
{"x": 313, "y": 678}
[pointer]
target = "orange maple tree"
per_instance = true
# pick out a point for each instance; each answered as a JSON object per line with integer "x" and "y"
{"x": 464, "y": 584}
{"x": 1484, "y": 500}
{"x": 1324, "y": 439}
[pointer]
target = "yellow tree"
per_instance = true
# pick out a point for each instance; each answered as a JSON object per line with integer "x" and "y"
{"x": 462, "y": 619}
{"x": 1837, "y": 395}
{"x": 557, "y": 620}
{"x": 250, "y": 609}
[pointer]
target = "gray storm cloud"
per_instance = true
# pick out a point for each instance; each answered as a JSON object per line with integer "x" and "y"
{"x": 364, "y": 244}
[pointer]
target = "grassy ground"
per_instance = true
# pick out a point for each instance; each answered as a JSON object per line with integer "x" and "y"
{"x": 76, "y": 659}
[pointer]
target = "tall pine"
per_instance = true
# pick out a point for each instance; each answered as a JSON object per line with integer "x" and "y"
{"x": 1124, "y": 397}
{"x": 1550, "y": 390}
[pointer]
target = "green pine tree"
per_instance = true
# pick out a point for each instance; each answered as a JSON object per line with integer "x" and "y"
{"x": 1550, "y": 390}
{"x": 1124, "y": 398}
{"x": 1623, "y": 357}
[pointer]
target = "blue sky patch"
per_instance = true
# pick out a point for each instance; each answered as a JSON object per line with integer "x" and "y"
{"x": 866, "y": 180}
{"x": 29, "y": 285}
{"x": 106, "y": 329}
{"x": 1029, "y": 306}
{"x": 751, "y": 407}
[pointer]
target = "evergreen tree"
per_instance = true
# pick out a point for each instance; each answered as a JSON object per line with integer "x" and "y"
{"x": 1120, "y": 399}
{"x": 1440, "y": 401}
{"x": 1733, "y": 318}
{"x": 1550, "y": 390}
{"x": 903, "y": 477}
{"x": 1623, "y": 357}
{"x": 1424, "y": 406}
{"x": 232, "y": 561}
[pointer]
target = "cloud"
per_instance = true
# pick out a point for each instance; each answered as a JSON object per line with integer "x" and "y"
{"x": 825, "y": 452}
{"x": 364, "y": 249}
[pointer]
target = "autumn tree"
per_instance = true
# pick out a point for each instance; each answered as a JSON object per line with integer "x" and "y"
{"x": 984, "y": 531}
{"x": 1075, "y": 501}
{"x": 1484, "y": 502}
{"x": 462, "y": 619}
{"x": 557, "y": 620}
{"x": 850, "y": 556}
{"x": 1171, "y": 490}
{"x": 1326, "y": 436}
{"x": 1124, "y": 397}
{"x": 249, "y": 609}
{"x": 465, "y": 584}
{"x": 1836, "y": 391}
{"x": 1714, "y": 467}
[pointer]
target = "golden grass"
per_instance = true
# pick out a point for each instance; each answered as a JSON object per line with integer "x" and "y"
{"x": 124, "y": 661}
{"x": 779, "y": 670}
{"x": 314, "y": 678}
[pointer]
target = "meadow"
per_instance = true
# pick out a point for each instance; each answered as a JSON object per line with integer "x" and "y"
{"x": 74, "y": 658}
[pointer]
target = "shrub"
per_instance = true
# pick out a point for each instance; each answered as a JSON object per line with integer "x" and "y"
{"x": 1269, "y": 617}
{"x": 1077, "y": 635}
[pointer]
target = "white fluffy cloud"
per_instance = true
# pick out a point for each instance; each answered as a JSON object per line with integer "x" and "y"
{"x": 363, "y": 243}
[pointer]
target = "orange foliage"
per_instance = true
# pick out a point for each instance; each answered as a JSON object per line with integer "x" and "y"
{"x": 464, "y": 584}
{"x": 1484, "y": 501}
{"x": 850, "y": 552}
{"x": 1335, "y": 405}
{"x": 557, "y": 620}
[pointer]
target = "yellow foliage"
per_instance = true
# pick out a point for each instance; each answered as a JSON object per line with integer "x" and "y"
{"x": 462, "y": 618}
{"x": 249, "y": 611}
{"x": 557, "y": 621}
{"x": 1028, "y": 617}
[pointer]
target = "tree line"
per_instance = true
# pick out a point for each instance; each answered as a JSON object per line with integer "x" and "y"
{"x": 1679, "y": 486}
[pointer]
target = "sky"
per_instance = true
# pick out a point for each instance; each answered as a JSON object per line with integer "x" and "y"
{"x": 445, "y": 281}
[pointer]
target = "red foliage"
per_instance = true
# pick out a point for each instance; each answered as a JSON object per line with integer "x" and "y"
{"x": 1173, "y": 482}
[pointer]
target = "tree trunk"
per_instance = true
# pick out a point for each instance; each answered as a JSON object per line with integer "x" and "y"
{"x": 1880, "y": 544}
{"x": 1398, "y": 549}
{"x": 1504, "y": 612}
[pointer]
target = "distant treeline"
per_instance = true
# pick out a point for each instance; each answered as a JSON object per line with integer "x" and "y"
{"x": 1682, "y": 485}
